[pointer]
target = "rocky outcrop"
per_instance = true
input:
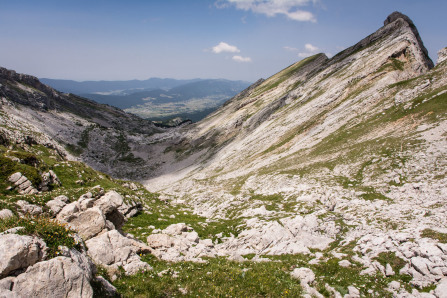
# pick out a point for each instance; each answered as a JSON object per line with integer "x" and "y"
{"x": 96, "y": 216}
{"x": 398, "y": 15}
{"x": 442, "y": 56}
{"x": 57, "y": 204}
{"x": 24, "y": 272}
{"x": 22, "y": 183}
{"x": 18, "y": 252}
{"x": 178, "y": 242}
{"x": 425, "y": 259}
{"x": 291, "y": 235}
{"x": 28, "y": 208}
{"x": 49, "y": 180}
{"x": 113, "y": 250}
{"x": 58, "y": 277}
{"x": 91, "y": 215}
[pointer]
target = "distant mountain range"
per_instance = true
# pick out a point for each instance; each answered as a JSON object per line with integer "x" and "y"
{"x": 156, "y": 99}
{"x": 113, "y": 87}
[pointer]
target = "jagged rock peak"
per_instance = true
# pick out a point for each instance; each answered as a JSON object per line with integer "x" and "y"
{"x": 398, "y": 15}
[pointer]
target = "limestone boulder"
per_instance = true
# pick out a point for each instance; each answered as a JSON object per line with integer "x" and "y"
{"x": 56, "y": 205}
{"x": 49, "y": 179}
{"x": 18, "y": 252}
{"x": 441, "y": 289}
{"x": 88, "y": 223}
{"x": 175, "y": 229}
{"x": 6, "y": 213}
{"x": 21, "y": 182}
{"x": 28, "y": 208}
{"x": 58, "y": 277}
{"x": 112, "y": 249}
{"x": 68, "y": 212}
{"x": 159, "y": 241}
{"x": 305, "y": 275}
{"x": 109, "y": 204}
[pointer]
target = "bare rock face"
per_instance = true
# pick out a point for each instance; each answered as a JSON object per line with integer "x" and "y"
{"x": 112, "y": 249}
{"x": 57, "y": 204}
{"x": 19, "y": 252}
{"x": 58, "y": 277}
{"x": 159, "y": 241}
{"x": 28, "y": 208}
{"x": 49, "y": 179}
{"x": 397, "y": 15}
{"x": 109, "y": 205}
{"x": 442, "y": 56}
{"x": 178, "y": 242}
{"x": 22, "y": 183}
{"x": 88, "y": 223}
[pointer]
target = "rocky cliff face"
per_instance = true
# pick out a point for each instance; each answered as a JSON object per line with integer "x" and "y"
{"x": 341, "y": 160}
{"x": 354, "y": 141}
{"x": 105, "y": 137}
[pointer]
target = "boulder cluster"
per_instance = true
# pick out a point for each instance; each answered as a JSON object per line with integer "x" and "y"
{"x": 26, "y": 270}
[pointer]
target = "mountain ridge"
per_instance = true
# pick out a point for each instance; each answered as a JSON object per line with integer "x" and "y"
{"x": 340, "y": 162}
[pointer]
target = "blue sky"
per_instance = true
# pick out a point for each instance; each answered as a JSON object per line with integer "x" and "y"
{"x": 184, "y": 39}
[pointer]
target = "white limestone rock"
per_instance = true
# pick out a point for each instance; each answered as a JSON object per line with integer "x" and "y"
{"x": 441, "y": 289}
{"x": 305, "y": 275}
{"x": 28, "y": 208}
{"x": 442, "y": 56}
{"x": 344, "y": 263}
{"x": 175, "y": 229}
{"x": 56, "y": 205}
{"x": 6, "y": 213}
{"x": 58, "y": 277}
{"x": 112, "y": 249}
{"x": 157, "y": 241}
{"x": 88, "y": 223}
{"x": 19, "y": 252}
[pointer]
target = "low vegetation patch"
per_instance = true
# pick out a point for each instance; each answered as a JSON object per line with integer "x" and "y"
{"x": 217, "y": 277}
{"x": 429, "y": 233}
{"x": 54, "y": 234}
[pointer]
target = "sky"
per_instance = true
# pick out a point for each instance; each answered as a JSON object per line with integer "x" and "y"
{"x": 185, "y": 39}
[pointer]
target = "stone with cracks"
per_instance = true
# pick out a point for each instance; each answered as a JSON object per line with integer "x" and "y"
{"x": 56, "y": 205}
{"x": 112, "y": 249}
{"x": 19, "y": 252}
{"x": 58, "y": 277}
{"x": 88, "y": 223}
{"x": 441, "y": 289}
{"x": 109, "y": 204}
{"x": 28, "y": 208}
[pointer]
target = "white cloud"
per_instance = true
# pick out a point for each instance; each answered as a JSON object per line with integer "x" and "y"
{"x": 310, "y": 50}
{"x": 241, "y": 59}
{"x": 271, "y": 8}
{"x": 224, "y": 47}
{"x": 290, "y": 49}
